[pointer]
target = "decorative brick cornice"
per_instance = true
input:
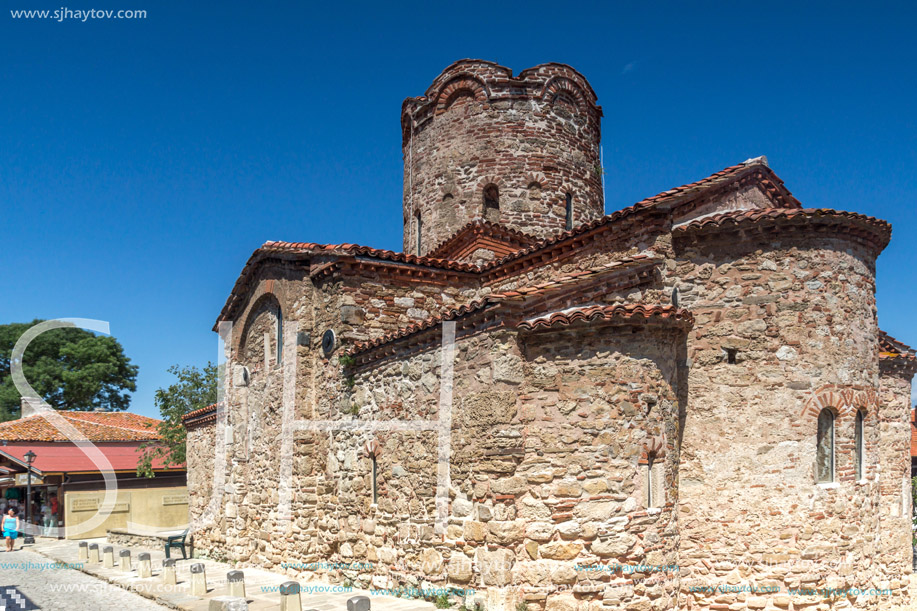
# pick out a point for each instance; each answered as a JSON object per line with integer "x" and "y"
{"x": 630, "y": 313}
{"x": 199, "y": 417}
{"x": 869, "y": 230}
{"x": 896, "y": 356}
{"x": 519, "y": 299}
{"x": 501, "y": 239}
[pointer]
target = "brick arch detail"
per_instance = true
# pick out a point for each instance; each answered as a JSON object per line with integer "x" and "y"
{"x": 653, "y": 446}
{"x": 845, "y": 401}
{"x": 372, "y": 448}
{"x": 457, "y": 85}
{"x": 538, "y": 177}
{"x": 266, "y": 290}
{"x": 560, "y": 84}
{"x": 482, "y": 184}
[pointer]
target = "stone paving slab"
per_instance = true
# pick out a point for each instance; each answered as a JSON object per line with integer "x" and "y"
{"x": 179, "y": 596}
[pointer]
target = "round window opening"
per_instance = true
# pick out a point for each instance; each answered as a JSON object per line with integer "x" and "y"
{"x": 328, "y": 340}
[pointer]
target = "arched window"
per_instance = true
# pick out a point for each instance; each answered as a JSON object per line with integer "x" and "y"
{"x": 858, "y": 445}
{"x": 569, "y": 210}
{"x": 418, "y": 225}
{"x": 824, "y": 449}
{"x": 491, "y": 198}
{"x": 279, "y": 354}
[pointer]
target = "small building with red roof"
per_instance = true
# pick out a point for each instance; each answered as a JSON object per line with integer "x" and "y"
{"x": 74, "y": 454}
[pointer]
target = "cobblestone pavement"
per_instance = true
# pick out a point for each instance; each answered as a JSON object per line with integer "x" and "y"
{"x": 60, "y": 588}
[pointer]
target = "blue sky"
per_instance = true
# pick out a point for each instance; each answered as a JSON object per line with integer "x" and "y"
{"x": 142, "y": 161}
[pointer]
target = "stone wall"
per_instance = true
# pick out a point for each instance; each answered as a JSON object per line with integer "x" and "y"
{"x": 548, "y": 432}
{"x": 895, "y": 466}
{"x": 784, "y": 327}
{"x": 534, "y": 137}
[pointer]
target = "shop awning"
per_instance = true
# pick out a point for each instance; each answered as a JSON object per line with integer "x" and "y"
{"x": 53, "y": 457}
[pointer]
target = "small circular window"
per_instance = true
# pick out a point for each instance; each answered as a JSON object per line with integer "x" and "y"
{"x": 328, "y": 341}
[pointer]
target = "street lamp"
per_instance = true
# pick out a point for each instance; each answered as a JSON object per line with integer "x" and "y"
{"x": 29, "y": 459}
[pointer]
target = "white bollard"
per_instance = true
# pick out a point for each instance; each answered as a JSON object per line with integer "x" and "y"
{"x": 236, "y": 581}
{"x": 168, "y": 572}
{"x": 358, "y": 603}
{"x": 290, "y": 600}
{"x": 198, "y": 580}
{"x": 108, "y": 557}
{"x": 94, "y": 552}
{"x": 84, "y": 552}
{"x": 144, "y": 566}
{"x": 124, "y": 559}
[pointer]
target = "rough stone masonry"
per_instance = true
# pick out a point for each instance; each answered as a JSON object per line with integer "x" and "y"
{"x": 685, "y": 404}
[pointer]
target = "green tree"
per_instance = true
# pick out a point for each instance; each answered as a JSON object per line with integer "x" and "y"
{"x": 70, "y": 368}
{"x": 195, "y": 388}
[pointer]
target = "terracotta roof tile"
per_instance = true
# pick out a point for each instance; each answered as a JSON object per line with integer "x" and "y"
{"x": 588, "y": 314}
{"x": 200, "y": 413}
{"x": 510, "y": 295}
{"x": 671, "y": 197}
{"x": 432, "y": 321}
{"x": 875, "y": 230}
{"x": 891, "y": 348}
{"x": 96, "y": 426}
{"x": 463, "y": 241}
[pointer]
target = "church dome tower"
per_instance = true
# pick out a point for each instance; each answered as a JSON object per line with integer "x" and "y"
{"x": 520, "y": 151}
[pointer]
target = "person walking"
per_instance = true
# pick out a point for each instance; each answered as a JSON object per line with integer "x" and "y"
{"x": 10, "y": 528}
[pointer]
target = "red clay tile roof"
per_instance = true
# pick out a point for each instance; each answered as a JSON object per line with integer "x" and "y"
{"x": 305, "y": 250}
{"x": 868, "y": 227}
{"x": 667, "y": 200}
{"x": 891, "y": 348}
{"x": 595, "y": 313}
{"x": 96, "y": 426}
{"x": 526, "y": 292}
{"x": 432, "y": 321}
{"x": 202, "y": 415}
{"x": 479, "y": 233}
{"x": 510, "y": 295}
{"x": 670, "y": 198}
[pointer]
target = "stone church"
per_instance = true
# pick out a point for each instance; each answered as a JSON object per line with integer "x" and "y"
{"x": 684, "y": 404}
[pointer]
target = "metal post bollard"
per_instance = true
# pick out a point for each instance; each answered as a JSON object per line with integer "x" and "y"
{"x": 198, "y": 580}
{"x": 84, "y": 551}
{"x": 236, "y": 582}
{"x": 290, "y": 599}
{"x": 124, "y": 559}
{"x": 145, "y": 565}
{"x": 108, "y": 557}
{"x": 358, "y": 603}
{"x": 93, "y": 552}
{"x": 168, "y": 572}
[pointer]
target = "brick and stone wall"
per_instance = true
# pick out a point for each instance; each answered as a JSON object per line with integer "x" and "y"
{"x": 894, "y": 458}
{"x": 535, "y": 137}
{"x": 784, "y": 328}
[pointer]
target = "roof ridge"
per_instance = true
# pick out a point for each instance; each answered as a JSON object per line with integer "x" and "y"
{"x": 592, "y": 312}
{"x": 483, "y": 223}
{"x": 644, "y": 204}
{"x": 899, "y": 347}
{"x": 155, "y": 421}
{"x": 722, "y": 177}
